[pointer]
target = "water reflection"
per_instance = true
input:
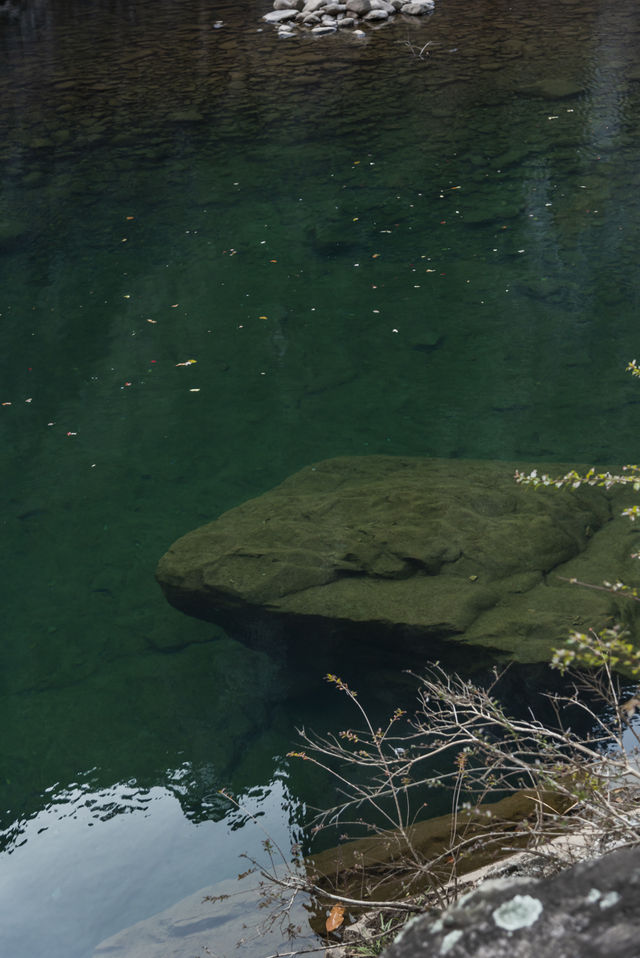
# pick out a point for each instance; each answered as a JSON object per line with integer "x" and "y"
{"x": 99, "y": 855}
{"x": 95, "y": 860}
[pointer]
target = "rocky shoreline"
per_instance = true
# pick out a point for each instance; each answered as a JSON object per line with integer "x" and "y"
{"x": 320, "y": 17}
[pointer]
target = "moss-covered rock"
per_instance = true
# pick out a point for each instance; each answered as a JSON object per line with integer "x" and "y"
{"x": 407, "y": 550}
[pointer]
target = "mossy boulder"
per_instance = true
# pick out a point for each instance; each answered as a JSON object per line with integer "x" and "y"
{"x": 414, "y": 551}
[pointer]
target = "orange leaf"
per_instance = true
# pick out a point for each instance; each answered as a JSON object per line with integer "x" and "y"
{"x": 336, "y": 917}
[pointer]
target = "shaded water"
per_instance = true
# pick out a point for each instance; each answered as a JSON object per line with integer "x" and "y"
{"x": 364, "y": 252}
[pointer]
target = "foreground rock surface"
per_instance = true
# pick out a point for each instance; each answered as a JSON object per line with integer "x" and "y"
{"x": 408, "y": 551}
{"x": 590, "y": 911}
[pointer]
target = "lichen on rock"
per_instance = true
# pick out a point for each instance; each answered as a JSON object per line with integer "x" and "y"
{"x": 521, "y": 911}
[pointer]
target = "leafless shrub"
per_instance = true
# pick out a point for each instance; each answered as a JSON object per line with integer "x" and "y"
{"x": 554, "y": 784}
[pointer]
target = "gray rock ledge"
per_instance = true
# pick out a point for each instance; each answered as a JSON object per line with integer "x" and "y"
{"x": 588, "y": 911}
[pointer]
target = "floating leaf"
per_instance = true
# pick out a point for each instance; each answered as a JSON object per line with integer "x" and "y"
{"x": 336, "y": 917}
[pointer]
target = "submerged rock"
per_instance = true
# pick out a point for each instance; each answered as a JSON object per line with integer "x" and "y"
{"x": 385, "y": 858}
{"x": 222, "y": 919}
{"x": 407, "y": 552}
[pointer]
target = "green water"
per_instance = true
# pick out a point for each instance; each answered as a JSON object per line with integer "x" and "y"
{"x": 364, "y": 251}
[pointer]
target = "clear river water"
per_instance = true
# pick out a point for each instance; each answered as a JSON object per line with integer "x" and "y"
{"x": 223, "y": 256}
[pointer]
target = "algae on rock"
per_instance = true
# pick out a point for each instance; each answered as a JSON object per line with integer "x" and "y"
{"x": 407, "y": 551}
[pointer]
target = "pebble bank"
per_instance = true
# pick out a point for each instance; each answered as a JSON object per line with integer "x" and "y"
{"x": 321, "y": 17}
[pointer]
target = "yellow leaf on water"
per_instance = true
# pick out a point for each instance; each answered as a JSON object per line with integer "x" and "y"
{"x": 336, "y": 917}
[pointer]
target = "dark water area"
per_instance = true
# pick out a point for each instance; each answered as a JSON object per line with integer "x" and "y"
{"x": 224, "y": 256}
